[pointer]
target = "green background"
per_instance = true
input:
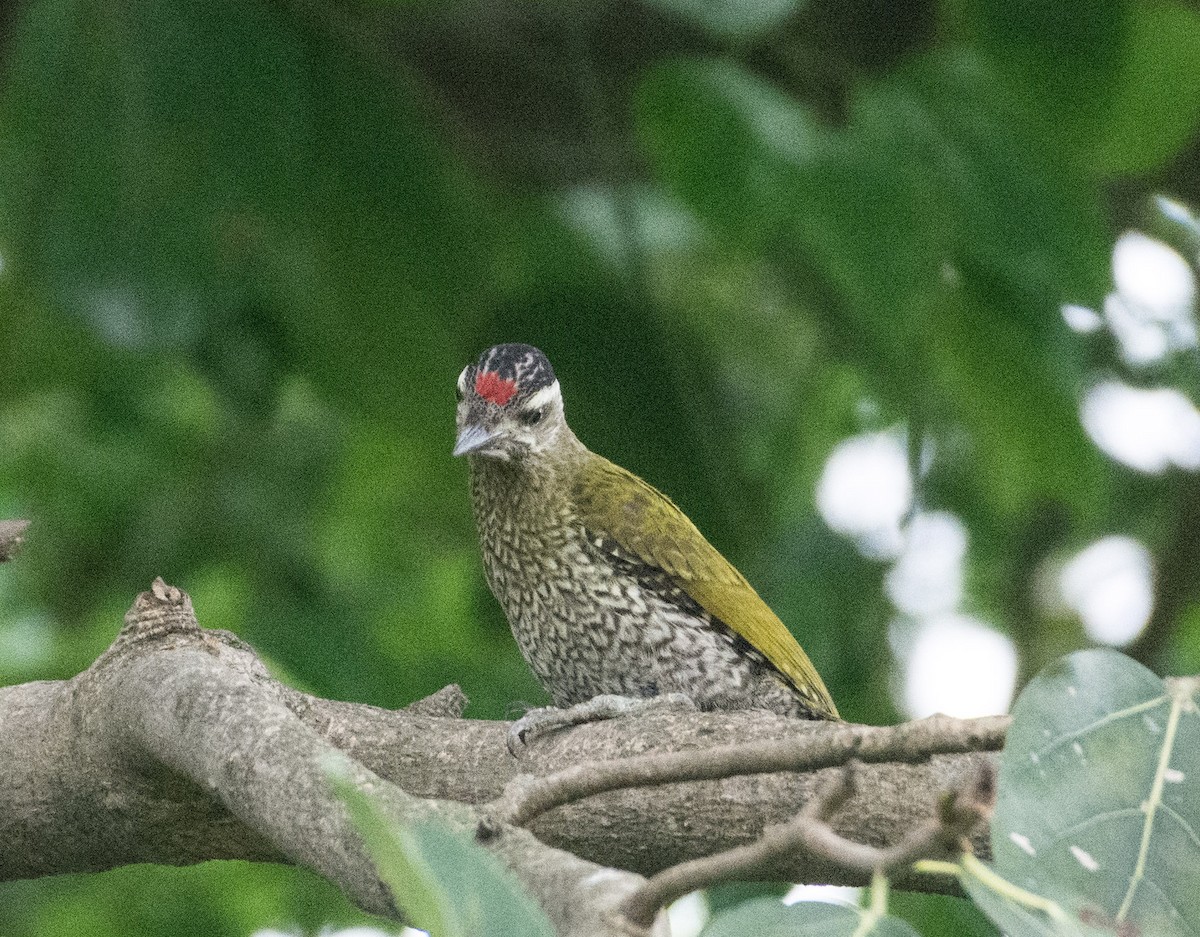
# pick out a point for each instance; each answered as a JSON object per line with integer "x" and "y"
{"x": 247, "y": 248}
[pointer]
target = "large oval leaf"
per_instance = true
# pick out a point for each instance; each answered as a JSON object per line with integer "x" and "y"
{"x": 1099, "y": 795}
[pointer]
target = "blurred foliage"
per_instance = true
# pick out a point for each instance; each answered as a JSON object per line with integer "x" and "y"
{"x": 447, "y": 884}
{"x": 247, "y": 248}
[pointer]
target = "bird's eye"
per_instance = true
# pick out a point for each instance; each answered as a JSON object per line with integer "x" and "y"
{"x": 532, "y": 417}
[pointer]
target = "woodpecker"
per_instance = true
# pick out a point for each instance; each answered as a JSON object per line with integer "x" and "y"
{"x": 613, "y": 595}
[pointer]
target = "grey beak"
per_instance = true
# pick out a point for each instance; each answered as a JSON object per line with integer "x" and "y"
{"x": 472, "y": 439}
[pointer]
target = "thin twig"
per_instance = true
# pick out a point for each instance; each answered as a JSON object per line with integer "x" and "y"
{"x": 944, "y": 834}
{"x": 827, "y": 746}
{"x": 12, "y": 535}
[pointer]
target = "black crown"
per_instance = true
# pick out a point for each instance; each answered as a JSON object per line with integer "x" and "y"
{"x": 521, "y": 363}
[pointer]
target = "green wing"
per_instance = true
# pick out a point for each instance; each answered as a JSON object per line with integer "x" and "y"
{"x": 644, "y": 522}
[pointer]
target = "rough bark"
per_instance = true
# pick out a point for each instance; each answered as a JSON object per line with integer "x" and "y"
{"x": 176, "y": 746}
{"x": 647, "y": 829}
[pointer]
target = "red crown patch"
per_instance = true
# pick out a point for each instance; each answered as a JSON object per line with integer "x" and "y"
{"x": 491, "y": 386}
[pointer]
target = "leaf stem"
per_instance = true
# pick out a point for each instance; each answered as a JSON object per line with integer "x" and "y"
{"x": 938, "y": 867}
{"x": 988, "y": 877}
{"x": 876, "y": 909}
{"x": 969, "y": 865}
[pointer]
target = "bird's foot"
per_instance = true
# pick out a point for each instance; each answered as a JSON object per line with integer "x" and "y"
{"x": 606, "y": 706}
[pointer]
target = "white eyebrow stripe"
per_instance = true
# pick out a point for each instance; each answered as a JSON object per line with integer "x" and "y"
{"x": 462, "y": 378}
{"x": 543, "y": 397}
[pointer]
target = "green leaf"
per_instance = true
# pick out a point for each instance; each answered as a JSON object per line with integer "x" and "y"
{"x": 941, "y": 915}
{"x": 946, "y": 236}
{"x": 994, "y": 374}
{"x": 721, "y": 137}
{"x": 766, "y": 917}
{"x": 444, "y": 883}
{"x": 407, "y": 876}
{"x": 732, "y": 19}
{"x": 1063, "y": 57}
{"x": 1070, "y": 32}
{"x": 1012, "y": 207}
{"x": 1099, "y": 795}
{"x": 174, "y": 172}
{"x": 728, "y": 895}
{"x": 1157, "y": 101}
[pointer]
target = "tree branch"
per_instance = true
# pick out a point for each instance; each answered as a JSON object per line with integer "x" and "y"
{"x": 942, "y": 835}
{"x": 176, "y": 746}
{"x": 648, "y": 829}
{"x": 911, "y": 742}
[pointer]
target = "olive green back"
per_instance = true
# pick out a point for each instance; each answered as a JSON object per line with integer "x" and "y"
{"x": 644, "y": 522}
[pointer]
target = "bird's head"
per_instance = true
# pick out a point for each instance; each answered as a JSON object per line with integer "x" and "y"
{"x": 509, "y": 405}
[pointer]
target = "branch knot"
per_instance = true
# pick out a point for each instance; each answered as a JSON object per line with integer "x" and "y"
{"x": 160, "y": 611}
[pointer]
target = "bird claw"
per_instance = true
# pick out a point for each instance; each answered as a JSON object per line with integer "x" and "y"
{"x": 532, "y": 724}
{"x": 538, "y": 722}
